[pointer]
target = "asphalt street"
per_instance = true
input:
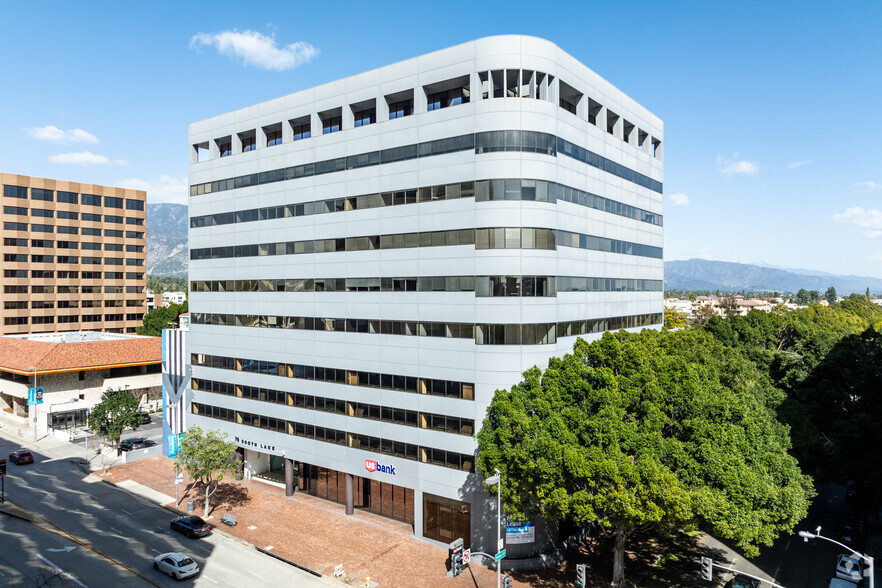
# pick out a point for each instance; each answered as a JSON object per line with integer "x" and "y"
{"x": 96, "y": 534}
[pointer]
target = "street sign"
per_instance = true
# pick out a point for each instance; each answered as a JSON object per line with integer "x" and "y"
{"x": 500, "y": 544}
{"x": 466, "y": 556}
{"x": 2, "y": 467}
{"x": 500, "y": 555}
{"x": 179, "y": 479}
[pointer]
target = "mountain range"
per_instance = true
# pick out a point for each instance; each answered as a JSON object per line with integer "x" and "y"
{"x": 703, "y": 274}
{"x": 168, "y": 255}
{"x": 167, "y": 251}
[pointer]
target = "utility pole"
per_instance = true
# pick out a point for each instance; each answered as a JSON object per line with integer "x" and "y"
{"x": 497, "y": 479}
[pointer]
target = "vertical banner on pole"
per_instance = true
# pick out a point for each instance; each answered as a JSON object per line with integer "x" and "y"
{"x": 175, "y": 380}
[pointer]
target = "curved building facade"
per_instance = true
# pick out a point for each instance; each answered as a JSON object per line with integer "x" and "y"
{"x": 372, "y": 258}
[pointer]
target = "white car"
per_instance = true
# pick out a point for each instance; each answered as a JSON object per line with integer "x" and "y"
{"x": 850, "y": 567}
{"x": 176, "y": 565}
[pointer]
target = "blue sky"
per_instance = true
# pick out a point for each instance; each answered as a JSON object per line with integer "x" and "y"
{"x": 773, "y": 125}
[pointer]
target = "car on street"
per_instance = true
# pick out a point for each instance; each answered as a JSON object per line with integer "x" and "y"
{"x": 191, "y": 526}
{"x": 742, "y": 581}
{"x": 137, "y": 443}
{"x": 21, "y": 457}
{"x": 847, "y": 535}
{"x": 145, "y": 418}
{"x": 175, "y": 564}
{"x": 850, "y": 567}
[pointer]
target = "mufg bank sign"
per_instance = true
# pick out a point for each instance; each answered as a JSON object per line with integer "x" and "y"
{"x": 372, "y": 465}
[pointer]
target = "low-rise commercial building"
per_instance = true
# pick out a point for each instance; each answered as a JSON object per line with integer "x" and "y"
{"x": 74, "y": 370}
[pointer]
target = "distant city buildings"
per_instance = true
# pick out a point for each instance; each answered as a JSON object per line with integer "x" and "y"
{"x": 733, "y": 305}
{"x": 73, "y": 257}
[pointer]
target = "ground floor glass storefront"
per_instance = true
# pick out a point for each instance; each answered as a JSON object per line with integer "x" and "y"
{"x": 69, "y": 419}
{"x": 382, "y": 498}
{"x": 445, "y": 519}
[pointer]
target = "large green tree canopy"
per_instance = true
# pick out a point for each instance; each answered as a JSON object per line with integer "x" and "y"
{"x": 647, "y": 429}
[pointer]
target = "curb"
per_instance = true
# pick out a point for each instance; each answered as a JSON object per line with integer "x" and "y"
{"x": 11, "y": 510}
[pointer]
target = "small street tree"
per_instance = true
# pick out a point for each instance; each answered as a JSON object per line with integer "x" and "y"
{"x": 117, "y": 410}
{"x": 207, "y": 456}
{"x": 650, "y": 430}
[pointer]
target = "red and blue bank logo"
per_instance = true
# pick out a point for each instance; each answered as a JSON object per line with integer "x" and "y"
{"x": 371, "y": 465}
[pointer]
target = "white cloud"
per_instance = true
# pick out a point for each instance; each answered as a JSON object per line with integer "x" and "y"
{"x": 56, "y": 135}
{"x": 678, "y": 199}
{"x": 162, "y": 189}
{"x": 870, "y": 219}
{"x": 877, "y": 257}
{"x": 256, "y": 49}
{"x": 798, "y": 164}
{"x": 868, "y": 185}
{"x": 732, "y": 166}
{"x": 85, "y": 158}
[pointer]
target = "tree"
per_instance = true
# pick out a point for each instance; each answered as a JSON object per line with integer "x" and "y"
{"x": 161, "y": 318}
{"x": 117, "y": 410}
{"x": 675, "y": 320}
{"x": 207, "y": 456}
{"x": 830, "y": 295}
{"x": 647, "y": 430}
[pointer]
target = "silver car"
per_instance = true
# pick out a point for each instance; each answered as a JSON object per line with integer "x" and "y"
{"x": 176, "y": 565}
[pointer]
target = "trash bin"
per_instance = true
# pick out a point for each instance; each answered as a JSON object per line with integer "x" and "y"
{"x": 190, "y": 507}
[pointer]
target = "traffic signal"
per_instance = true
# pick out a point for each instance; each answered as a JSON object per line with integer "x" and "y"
{"x": 506, "y": 582}
{"x": 707, "y": 568}
{"x": 580, "y": 575}
{"x": 456, "y": 561}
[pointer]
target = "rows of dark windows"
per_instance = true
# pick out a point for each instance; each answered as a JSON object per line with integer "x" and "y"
{"x": 19, "y": 304}
{"x": 482, "y": 333}
{"x": 485, "y": 238}
{"x": 485, "y": 142}
{"x": 398, "y": 416}
{"x": 72, "y": 197}
{"x": 73, "y": 318}
{"x": 400, "y": 383}
{"x": 353, "y": 440}
{"x": 43, "y": 228}
{"x": 62, "y": 289}
{"x": 49, "y": 243}
{"x": 71, "y": 275}
{"x": 480, "y": 285}
{"x": 68, "y": 259}
{"x": 481, "y": 190}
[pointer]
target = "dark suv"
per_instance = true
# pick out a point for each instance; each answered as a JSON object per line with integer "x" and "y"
{"x": 145, "y": 418}
{"x": 130, "y": 444}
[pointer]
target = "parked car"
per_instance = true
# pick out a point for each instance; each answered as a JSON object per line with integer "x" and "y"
{"x": 850, "y": 567}
{"x": 145, "y": 418}
{"x": 191, "y": 526}
{"x": 21, "y": 457}
{"x": 177, "y": 565}
{"x": 742, "y": 581}
{"x": 847, "y": 535}
{"x": 130, "y": 444}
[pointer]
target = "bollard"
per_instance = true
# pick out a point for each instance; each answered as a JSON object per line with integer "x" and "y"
{"x": 190, "y": 507}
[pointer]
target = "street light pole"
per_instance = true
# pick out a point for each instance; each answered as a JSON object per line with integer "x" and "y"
{"x": 35, "y": 403}
{"x": 806, "y": 535}
{"x": 497, "y": 479}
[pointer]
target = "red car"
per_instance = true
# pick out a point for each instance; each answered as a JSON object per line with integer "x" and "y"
{"x": 20, "y": 457}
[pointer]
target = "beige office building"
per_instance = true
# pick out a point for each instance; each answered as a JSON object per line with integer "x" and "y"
{"x": 73, "y": 257}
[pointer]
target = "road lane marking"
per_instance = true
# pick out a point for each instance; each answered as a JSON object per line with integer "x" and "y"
{"x": 256, "y": 574}
{"x": 39, "y": 470}
{"x": 117, "y": 530}
{"x": 153, "y": 550}
{"x": 125, "y": 511}
{"x": 202, "y": 548}
{"x": 786, "y": 547}
{"x": 209, "y": 579}
{"x": 775, "y": 575}
{"x": 63, "y": 573}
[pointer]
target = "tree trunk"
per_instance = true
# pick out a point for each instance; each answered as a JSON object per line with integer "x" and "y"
{"x": 207, "y": 497}
{"x": 618, "y": 580}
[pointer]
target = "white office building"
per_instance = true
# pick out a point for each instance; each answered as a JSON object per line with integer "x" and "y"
{"x": 372, "y": 258}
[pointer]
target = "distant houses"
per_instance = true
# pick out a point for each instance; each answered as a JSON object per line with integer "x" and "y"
{"x": 735, "y": 305}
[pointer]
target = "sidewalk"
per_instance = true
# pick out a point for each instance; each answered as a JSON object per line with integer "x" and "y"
{"x": 312, "y": 532}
